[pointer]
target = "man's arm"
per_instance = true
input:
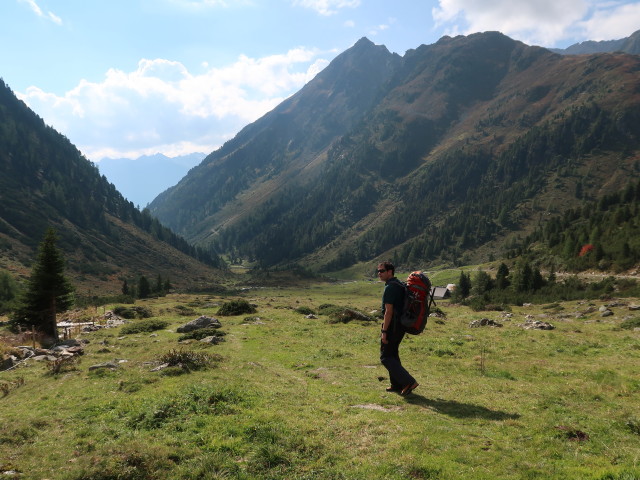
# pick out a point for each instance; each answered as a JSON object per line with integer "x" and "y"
{"x": 388, "y": 315}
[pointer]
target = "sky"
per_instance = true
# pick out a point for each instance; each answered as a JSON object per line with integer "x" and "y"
{"x": 125, "y": 78}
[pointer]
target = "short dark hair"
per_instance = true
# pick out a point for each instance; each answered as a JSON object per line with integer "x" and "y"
{"x": 388, "y": 266}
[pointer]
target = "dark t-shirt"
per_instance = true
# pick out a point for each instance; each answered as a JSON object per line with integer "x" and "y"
{"x": 393, "y": 294}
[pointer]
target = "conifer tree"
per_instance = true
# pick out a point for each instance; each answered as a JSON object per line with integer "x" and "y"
{"x": 144, "y": 288}
{"x": 464, "y": 285}
{"x": 48, "y": 292}
{"x": 502, "y": 281}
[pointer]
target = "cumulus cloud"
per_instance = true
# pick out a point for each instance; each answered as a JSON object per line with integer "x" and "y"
{"x": 612, "y": 21}
{"x": 327, "y": 7}
{"x": 35, "y": 8}
{"x": 162, "y": 107}
{"x": 543, "y": 22}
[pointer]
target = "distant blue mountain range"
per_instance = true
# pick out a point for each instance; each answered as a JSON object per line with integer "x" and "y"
{"x": 142, "y": 179}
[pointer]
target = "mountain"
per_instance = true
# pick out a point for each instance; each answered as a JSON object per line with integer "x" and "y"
{"x": 449, "y": 151}
{"x": 142, "y": 179}
{"x": 287, "y": 143}
{"x": 630, "y": 45}
{"x": 45, "y": 181}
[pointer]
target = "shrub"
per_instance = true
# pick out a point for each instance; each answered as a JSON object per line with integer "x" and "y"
{"x": 345, "y": 315}
{"x": 144, "y": 326}
{"x": 631, "y": 323}
{"x": 202, "y": 333}
{"x": 185, "y": 311}
{"x": 236, "y": 307}
{"x": 304, "y": 311}
{"x": 329, "y": 309}
{"x": 132, "y": 312}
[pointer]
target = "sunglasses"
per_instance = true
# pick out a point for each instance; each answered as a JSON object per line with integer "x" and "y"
{"x": 382, "y": 270}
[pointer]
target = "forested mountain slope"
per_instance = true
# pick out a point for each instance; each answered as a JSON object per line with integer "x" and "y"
{"x": 452, "y": 148}
{"x": 45, "y": 181}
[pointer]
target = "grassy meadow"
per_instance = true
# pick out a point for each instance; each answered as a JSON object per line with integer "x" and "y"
{"x": 290, "y": 397}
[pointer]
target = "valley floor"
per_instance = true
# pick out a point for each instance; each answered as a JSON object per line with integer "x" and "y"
{"x": 291, "y": 397}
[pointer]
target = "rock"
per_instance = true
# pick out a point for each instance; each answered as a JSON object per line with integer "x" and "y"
{"x": 48, "y": 358}
{"x": 634, "y": 307}
{"x": 212, "y": 339}
{"x": 160, "y": 367}
{"x": 616, "y": 304}
{"x": 198, "y": 323}
{"x": 537, "y": 325}
{"x": 606, "y": 313}
{"x": 6, "y": 363}
{"x": 311, "y": 316}
{"x": 484, "y": 322}
{"x": 99, "y": 366}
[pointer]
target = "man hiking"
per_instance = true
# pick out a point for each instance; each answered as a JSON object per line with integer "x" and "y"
{"x": 393, "y": 332}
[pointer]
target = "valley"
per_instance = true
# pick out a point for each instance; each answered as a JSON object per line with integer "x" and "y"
{"x": 291, "y": 397}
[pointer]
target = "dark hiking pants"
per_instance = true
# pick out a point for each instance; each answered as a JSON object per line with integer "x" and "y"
{"x": 390, "y": 358}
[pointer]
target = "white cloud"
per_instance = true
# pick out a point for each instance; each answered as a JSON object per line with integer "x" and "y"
{"x": 162, "y": 107}
{"x": 543, "y": 22}
{"x": 613, "y": 21}
{"x": 35, "y": 8}
{"x": 327, "y": 7}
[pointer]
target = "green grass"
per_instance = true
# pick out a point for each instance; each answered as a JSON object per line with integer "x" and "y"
{"x": 295, "y": 398}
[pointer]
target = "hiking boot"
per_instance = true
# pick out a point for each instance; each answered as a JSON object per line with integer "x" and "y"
{"x": 409, "y": 388}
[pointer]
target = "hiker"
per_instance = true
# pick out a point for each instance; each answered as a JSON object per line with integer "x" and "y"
{"x": 393, "y": 332}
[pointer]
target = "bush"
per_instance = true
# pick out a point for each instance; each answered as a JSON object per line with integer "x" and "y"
{"x": 330, "y": 309}
{"x": 236, "y": 307}
{"x": 346, "y": 315}
{"x": 132, "y": 312}
{"x": 185, "y": 311}
{"x": 304, "y": 311}
{"x": 144, "y": 326}
{"x": 631, "y": 323}
{"x": 202, "y": 333}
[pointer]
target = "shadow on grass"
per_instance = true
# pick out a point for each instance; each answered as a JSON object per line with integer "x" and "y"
{"x": 460, "y": 410}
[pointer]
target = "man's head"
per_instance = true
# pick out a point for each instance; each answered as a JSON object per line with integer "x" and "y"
{"x": 386, "y": 270}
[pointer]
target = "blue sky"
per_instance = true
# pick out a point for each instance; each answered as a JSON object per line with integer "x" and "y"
{"x": 124, "y": 78}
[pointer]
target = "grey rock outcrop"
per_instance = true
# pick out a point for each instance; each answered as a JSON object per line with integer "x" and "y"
{"x": 198, "y": 323}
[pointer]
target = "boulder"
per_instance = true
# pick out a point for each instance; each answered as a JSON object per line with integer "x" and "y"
{"x": 537, "y": 325}
{"x": 6, "y": 363}
{"x": 212, "y": 340}
{"x": 198, "y": 323}
{"x": 99, "y": 366}
{"x": 484, "y": 322}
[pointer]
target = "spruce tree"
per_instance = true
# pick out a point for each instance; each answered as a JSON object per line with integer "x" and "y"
{"x": 48, "y": 292}
{"x": 464, "y": 285}
{"x": 144, "y": 287}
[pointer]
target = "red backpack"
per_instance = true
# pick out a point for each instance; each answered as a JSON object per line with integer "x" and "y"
{"x": 417, "y": 302}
